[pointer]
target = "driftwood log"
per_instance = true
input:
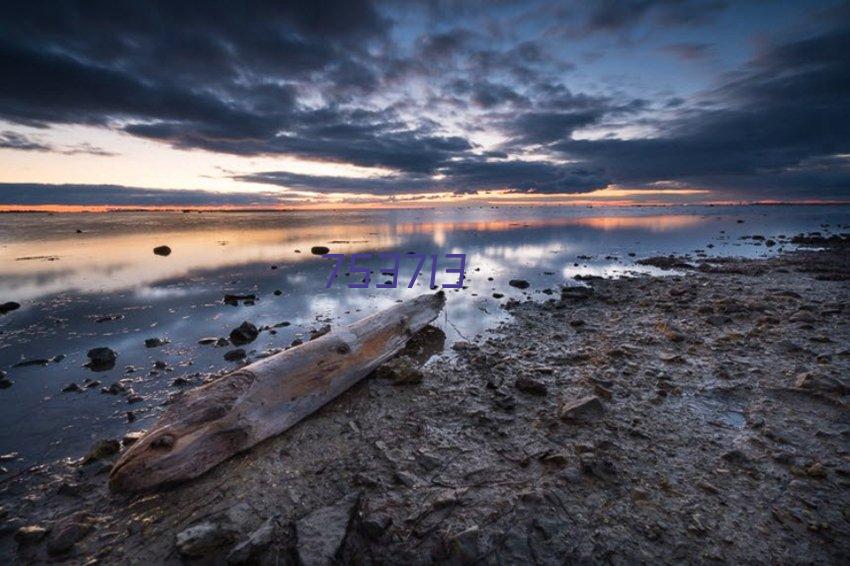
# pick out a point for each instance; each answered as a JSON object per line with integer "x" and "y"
{"x": 215, "y": 421}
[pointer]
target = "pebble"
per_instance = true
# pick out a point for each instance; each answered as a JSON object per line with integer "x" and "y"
{"x": 162, "y": 251}
{"x": 321, "y": 532}
{"x": 235, "y": 355}
{"x": 31, "y": 534}
{"x": 529, "y": 385}
{"x": 519, "y": 283}
{"x": 244, "y": 334}
{"x": 582, "y": 410}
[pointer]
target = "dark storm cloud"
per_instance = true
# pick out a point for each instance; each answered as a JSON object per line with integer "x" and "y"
{"x": 409, "y": 86}
{"x": 31, "y": 194}
{"x": 617, "y": 15}
{"x": 464, "y": 176}
{"x": 788, "y": 109}
{"x": 14, "y": 140}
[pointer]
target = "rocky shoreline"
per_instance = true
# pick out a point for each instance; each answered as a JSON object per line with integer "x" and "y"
{"x": 698, "y": 417}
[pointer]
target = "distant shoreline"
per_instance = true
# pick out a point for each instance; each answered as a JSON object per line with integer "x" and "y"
{"x": 100, "y": 209}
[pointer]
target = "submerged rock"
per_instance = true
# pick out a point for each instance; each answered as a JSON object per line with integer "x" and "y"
{"x": 244, "y": 334}
{"x": 321, "y": 533}
{"x": 665, "y": 262}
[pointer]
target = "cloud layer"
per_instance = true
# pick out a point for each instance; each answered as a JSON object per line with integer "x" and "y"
{"x": 448, "y": 96}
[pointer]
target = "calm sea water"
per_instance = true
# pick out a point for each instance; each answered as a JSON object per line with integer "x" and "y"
{"x": 105, "y": 287}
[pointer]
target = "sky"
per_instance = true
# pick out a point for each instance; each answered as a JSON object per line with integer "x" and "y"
{"x": 354, "y": 102}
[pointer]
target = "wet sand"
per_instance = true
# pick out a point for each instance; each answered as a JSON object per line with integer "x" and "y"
{"x": 698, "y": 417}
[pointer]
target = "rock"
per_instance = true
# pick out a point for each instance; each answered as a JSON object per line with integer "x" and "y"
{"x": 65, "y": 534}
{"x": 665, "y": 262}
{"x": 255, "y": 543}
{"x": 814, "y": 381}
{"x": 155, "y": 342}
{"x": 8, "y": 457}
{"x": 102, "y": 449}
{"x": 159, "y": 364}
{"x": 244, "y": 334}
{"x": 208, "y": 340}
{"x": 234, "y": 299}
{"x": 519, "y": 283}
{"x": 162, "y": 250}
{"x": 235, "y": 355}
{"x": 463, "y": 548}
{"x": 375, "y": 525}
{"x": 498, "y": 295}
{"x": 114, "y": 388}
{"x": 72, "y": 388}
{"x": 504, "y": 401}
{"x": 576, "y": 293}
{"x": 319, "y": 250}
{"x": 101, "y": 359}
{"x": 5, "y": 382}
{"x": 206, "y": 539}
{"x": 30, "y": 534}
{"x": 132, "y": 437}
{"x": 401, "y": 371}
{"x": 530, "y": 385}
{"x": 278, "y": 292}
{"x": 9, "y": 307}
{"x": 320, "y": 533}
{"x": 320, "y": 331}
{"x": 583, "y": 410}
{"x": 180, "y": 382}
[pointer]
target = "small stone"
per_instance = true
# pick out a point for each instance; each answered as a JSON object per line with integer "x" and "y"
{"x": 162, "y": 251}
{"x": 72, "y": 388}
{"x": 235, "y": 355}
{"x": 9, "y": 307}
{"x": 320, "y": 331}
{"x": 31, "y": 534}
{"x": 208, "y": 340}
{"x": 816, "y": 471}
{"x": 179, "y": 382}
{"x": 376, "y": 524}
{"x": 519, "y": 283}
{"x": 68, "y": 532}
{"x": 132, "y": 437}
{"x": 401, "y": 371}
{"x": 321, "y": 533}
{"x": 497, "y": 295}
{"x": 244, "y": 334}
{"x": 101, "y": 359}
{"x": 135, "y": 398}
{"x": 278, "y": 292}
{"x": 159, "y": 364}
{"x": 530, "y": 385}
{"x": 206, "y": 539}
{"x": 155, "y": 342}
{"x": 103, "y": 449}
{"x": 320, "y": 250}
{"x": 583, "y": 410}
{"x": 256, "y": 542}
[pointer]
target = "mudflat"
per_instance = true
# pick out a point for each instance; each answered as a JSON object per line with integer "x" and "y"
{"x": 696, "y": 417}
